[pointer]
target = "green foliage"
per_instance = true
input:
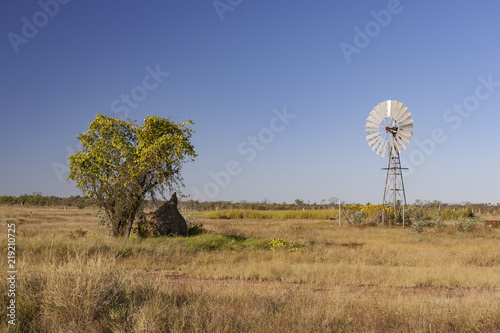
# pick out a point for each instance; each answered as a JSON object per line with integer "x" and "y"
{"x": 140, "y": 228}
{"x": 448, "y": 214}
{"x": 299, "y": 202}
{"x": 418, "y": 226}
{"x": 357, "y": 217}
{"x": 413, "y": 213}
{"x": 120, "y": 163}
{"x": 193, "y": 227}
{"x": 102, "y": 219}
{"x": 37, "y": 199}
{"x": 437, "y": 223}
{"x": 468, "y": 224}
{"x": 209, "y": 241}
{"x": 77, "y": 233}
{"x": 421, "y": 225}
{"x": 278, "y": 243}
{"x": 468, "y": 212}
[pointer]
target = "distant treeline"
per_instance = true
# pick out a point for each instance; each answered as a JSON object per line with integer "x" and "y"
{"x": 436, "y": 206}
{"x": 37, "y": 199}
{"x": 265, "y": 205}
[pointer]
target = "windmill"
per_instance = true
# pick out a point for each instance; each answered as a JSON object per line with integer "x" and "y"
{"x": 388, "y": 130}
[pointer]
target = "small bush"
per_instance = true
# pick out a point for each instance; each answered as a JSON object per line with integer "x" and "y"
{"x": 418, "y": 226}
{"x": 102, "y": 219}
{"x": 357, "y": 217}
{"x": 468, "y": 224}
{"x": 140, "y": 228}
{"x": 437, "y": 223}
{"x": 282, "y": 243}
{"x": 193, "y": 227}
{"x": 468, "y": 212}
{"x": 77, "y": 233}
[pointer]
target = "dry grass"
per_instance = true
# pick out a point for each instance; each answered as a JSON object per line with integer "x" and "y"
{"x": 232, "y": 279}
{"x": 245, "y": 214}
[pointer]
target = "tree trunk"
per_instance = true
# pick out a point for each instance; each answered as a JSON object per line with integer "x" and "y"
{"x": 133, "y": 212}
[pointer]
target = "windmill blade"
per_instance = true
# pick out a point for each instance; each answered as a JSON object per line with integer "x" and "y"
{"x": 384, "y": 149}
{"x": 376, "y": 144}
{"x": 395, "y": 144}
{"x": 369, "y": 124}
{"x": 405, "y": 138}
{"x": 407, "y": 127}
{"x": 381, "y": 146}
{"x": 402, "y": 117}
{"x": 401, "y": 142}
{"x": 393, "y": 149}
{"x": 371, "y": 136}
{"x": 380, "y": 110}
{"x": 408, "y": 120}
{"x": 387, "y": 146}
{"x": 392, "y": 114}
{"x": 371, "y": 127}
{"x": 388, "y": 108}
{"x": 401, "y": 110}
{"x": 405, "y": 133}
{"x": 376, "y": 115}
{"x": 373, "y": 120}
{"x": 372, "y": 140}
{"x": 395, "y": 106}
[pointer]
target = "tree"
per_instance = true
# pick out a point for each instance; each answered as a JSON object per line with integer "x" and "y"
{"x": 121, "y": 163}
{"x": 333, "y": 200}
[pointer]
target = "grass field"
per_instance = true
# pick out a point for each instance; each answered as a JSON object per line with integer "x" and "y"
{"x": 249, "y": 276}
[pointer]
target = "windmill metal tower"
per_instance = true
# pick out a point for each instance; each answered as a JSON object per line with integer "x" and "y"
{"x": 388, "y": 130}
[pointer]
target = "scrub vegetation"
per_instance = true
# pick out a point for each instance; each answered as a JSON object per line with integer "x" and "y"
{"x": 252, "y": 275}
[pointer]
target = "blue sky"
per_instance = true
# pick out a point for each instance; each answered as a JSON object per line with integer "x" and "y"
{"x": 279, "y": 92}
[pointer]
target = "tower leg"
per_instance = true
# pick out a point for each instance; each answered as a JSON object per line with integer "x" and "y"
{"x": 394, "y": 192}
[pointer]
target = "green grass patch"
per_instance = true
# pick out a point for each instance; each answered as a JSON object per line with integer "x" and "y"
{"x": 221, "y": 242}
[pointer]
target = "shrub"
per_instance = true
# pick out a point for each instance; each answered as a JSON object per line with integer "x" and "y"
{"x": 447, "y": 214}
{"x": 193, "y": 227}
{"x": 436, "y": 223}
{"x": 418, "y": 226}
{"x": 140, "y": 228}
{"x": 357, "y": 217}
{"x": 468, "y": 224}
{"x": 468, "y": 212}
{"x": 283, "y": 243}
{"x": 102, "y": 219}
{"x": 77, "y": 233}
